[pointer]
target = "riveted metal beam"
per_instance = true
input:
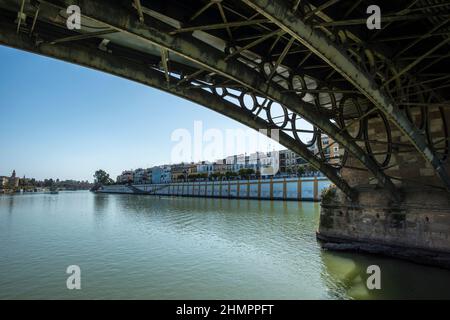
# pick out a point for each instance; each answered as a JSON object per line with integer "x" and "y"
{"x": 165, "y": 64}
{"x": 20, "y": 16}
{"x": 141, "y": 73}
{"x": 416, "y": 61}
{"x": 254, "y": 43}
{"x": 201, "y": 10}
{"x": 84, "y": 36}
{"x": 280, "y": 59}
{"x": 280, "y": 13}
{"x": 221, "y": 25}
{"x": 384, "y": 19}
{"x": 36, "y": 14}
{"x": 224, "y": 18}
{"x": 320, "y": 8}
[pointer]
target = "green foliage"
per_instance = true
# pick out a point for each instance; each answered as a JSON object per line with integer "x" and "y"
{"x": 101, "y": 177}
{"x": 230, "y": 174}
{"x": 245, "y": 173}
{"x": 328, "y": 194}
{"x": 197, "y": 176}
{"x": 48, "y": 183}
{"x": 217, "y": 176}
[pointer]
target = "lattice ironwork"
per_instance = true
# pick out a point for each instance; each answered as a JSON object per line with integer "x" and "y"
{"x": 260, "y": 66}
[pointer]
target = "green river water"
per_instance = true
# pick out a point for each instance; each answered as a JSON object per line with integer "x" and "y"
{"x": 147, "y": 247}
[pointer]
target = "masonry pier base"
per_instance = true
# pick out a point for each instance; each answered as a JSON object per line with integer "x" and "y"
{"x": 416, "y": 229}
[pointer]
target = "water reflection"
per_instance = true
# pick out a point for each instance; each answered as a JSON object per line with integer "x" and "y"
{"x": 347, "y": 272}
{"x": 10, "y": 204}
{"x": 101, "y": 202}
{"x": 101, "y": 208}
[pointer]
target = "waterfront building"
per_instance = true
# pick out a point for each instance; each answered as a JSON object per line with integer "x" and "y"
{"x": 156, "y": 174}
{"x": 149, "y": 174}
{"x": 140, "y": 176}
{"x": 263, "y": 163}
{"x": 231, "y": 160}
{"x": 205, "y": 167}
{"x": 255, "y": 160}
{"x": 166, "y": 174}
{"x": 4, "y": 182}
{"x": 240, "y": 161}
{"x": 161, "y": 174}
{"x": 243, "y": 162}
{"x": 192, "y": 169}
{"x": 127, "y": 176}
{"x": 269, "y": 163}
{"x": 290, "y": 162}
{"x": 232, "y": 167}
{"x": 220, "y": 167}
{"x": 180, "y": 171}
{"x": 13, "y": 181}
{"x": 330, "y": 149}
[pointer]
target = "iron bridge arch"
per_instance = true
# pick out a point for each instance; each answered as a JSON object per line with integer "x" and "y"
{"x": 306, "y": 68}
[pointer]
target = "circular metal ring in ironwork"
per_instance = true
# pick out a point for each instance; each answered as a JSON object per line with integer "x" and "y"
{"x": 221, "y": 91}
{"x": 388, "y": 143}
{"x": 320, "y": 146}
{"x": 266, "y": 68}
{"x": 296, "y": 131}
{"x": 244, "y": 99}
{"x": 324, "y": 93}
{"x": 271, "y": 117}
{"x": 342, "y": 118}
{"x": 296, "y": 81}
{"x": 441, "y": 147}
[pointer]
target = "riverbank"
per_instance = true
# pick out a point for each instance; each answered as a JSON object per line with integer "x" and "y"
{"x": 300, "y": 189}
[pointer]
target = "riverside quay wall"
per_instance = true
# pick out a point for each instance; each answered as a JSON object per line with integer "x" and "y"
{"x": 411, "y": 220}
{"x": 305, "y": 188}
{"x": 416, "y": 229}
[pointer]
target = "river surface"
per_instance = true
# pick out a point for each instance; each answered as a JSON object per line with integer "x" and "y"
{"x": 146, "y": 247}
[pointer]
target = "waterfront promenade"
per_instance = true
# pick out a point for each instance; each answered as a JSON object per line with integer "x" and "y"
{"x": 305, "y": 188}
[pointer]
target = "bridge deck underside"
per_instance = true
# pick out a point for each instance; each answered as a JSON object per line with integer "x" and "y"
{"x": 306, "y": 68}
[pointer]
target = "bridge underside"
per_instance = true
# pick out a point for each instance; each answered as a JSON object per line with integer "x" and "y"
{"x": 306, "y": 68}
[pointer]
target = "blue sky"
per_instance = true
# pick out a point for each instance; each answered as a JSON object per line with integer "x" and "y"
{"x": 59, "y": 120}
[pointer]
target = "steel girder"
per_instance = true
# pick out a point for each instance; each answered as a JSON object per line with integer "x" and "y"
{"x": 102, "y": 61}
{"x": 281, "y": 13}
{"x": 211, "y": 59}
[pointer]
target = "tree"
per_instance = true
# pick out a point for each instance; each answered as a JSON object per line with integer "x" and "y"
{"x": 230, "y": 174}
{"x": 246, "y": 173}
{"x": 48, "y": 183}
{"x": 192, "y": 176}
{"x": 217, "y": 176}
{"x": 101, "y": 177}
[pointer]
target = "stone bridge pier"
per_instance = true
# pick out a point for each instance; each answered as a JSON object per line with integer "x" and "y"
{"x": 413, "y": 224}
